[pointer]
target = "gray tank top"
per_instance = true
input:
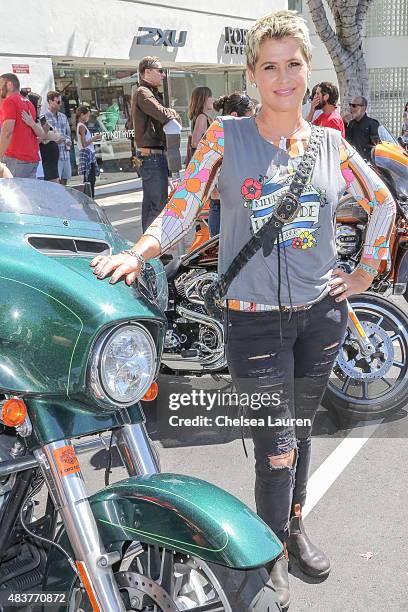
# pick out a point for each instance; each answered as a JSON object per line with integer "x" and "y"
{"x": 254, "y": 173}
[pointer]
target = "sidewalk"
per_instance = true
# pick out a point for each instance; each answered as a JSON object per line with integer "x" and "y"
{"x": 119, "y": 187}
{"x": 133, "y": 184}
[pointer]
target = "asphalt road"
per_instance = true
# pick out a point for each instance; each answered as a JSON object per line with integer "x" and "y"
{"x": 358, "y": 486}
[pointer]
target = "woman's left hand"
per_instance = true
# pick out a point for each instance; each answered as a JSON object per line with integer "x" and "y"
{"x": 27, "y": 118}
{"x": 343, "y": 285}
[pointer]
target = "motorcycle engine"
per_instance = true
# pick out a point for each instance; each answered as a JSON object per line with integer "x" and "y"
{"x": 192, "y": 334}
{"x": 348, "y": 239}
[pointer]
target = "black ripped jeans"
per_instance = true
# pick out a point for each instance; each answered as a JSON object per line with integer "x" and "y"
{"x": 296, "y": 368}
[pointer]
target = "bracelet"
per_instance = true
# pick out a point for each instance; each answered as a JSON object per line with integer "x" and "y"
{"x": 367, "y": 269}
{"x": 138, "y": 256}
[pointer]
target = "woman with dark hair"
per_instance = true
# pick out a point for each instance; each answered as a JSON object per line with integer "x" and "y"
{"x": 201, "y": 102}
{"x": 237, "y": 105}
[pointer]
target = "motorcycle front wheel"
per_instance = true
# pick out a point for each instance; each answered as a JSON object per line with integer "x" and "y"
{"x": 361, "y": 387}
{"x": 154, "y": 579}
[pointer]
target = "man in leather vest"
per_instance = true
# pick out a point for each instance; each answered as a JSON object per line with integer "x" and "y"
{"x": 362, "y": 130}
{"x": 149, "y": 115}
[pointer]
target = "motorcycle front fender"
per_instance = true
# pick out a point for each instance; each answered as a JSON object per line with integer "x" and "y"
{"x": 187, "y": 515}
{"x": 180, "y": 513}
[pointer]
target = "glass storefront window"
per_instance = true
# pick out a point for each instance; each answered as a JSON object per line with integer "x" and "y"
{"x": 182, "y": 83}
{"x": 107, "y": 92}
{"x": 236, "y": 81}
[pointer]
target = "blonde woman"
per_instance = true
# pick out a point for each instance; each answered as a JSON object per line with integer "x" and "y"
{"x": 286, "y": 311}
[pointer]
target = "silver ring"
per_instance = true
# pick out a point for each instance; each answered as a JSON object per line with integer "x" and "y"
{"x": 345, "y": 286}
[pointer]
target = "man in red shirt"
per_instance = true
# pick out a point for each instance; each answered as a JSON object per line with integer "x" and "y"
{"x": 19, "y": 147}
{"x": 326, "y": 98}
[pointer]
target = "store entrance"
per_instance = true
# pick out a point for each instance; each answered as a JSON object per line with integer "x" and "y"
{"x": 110, "y": 116}
{"x": 107, "y": 93}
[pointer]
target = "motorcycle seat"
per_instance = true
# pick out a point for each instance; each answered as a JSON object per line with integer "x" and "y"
{"x": 172, "y": 267}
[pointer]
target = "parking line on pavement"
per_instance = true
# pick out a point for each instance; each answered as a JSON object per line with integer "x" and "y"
{"x": 327, "y": 473}
{"x": 126, "y": 221}
{"x": 117, "y": 200}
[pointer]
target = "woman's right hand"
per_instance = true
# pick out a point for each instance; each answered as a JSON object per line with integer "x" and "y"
{"x": 55, "y": 137}
{"x": 121, "y": 266}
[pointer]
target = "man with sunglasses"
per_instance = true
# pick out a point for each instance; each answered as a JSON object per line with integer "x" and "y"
{"x": 362, "y": 130}
{"x": 59, "y": 123}
{"x": 149, "y": 115}
{"x": 19, "y": 147}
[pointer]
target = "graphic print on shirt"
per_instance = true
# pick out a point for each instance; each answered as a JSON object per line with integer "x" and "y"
{"x": 262, "y": 195}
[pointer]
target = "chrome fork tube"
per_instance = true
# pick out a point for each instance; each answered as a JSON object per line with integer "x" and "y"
{"x": 358, "y": 332}
{"x": 63, "y": 475}
{"x": 136, "y": 450}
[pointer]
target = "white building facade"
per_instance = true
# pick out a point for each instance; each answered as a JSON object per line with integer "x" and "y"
{"x": 386, "y": 53}
{"x": 90, "y": 52}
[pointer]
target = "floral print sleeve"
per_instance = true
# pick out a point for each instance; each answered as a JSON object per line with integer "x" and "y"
{"x": 371, "y": 193}
{"x": 181, "y": 211}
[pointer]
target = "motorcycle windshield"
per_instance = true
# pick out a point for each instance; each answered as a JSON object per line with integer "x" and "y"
{"x": 392, "y": 160}
{"x": 46, "y": 199}
{"x": 385, "y": 136}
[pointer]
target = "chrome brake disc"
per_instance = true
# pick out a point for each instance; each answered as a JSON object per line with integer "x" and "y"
{"x": 138, "y": 585}
{"x": 378, "y": 364}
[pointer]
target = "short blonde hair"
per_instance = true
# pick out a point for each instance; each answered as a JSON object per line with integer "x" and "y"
{"x": 282, "y": 24}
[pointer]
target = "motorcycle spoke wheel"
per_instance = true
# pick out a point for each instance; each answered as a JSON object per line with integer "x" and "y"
{"x": 189, "y": 582}
{"x": 363, "y": 382}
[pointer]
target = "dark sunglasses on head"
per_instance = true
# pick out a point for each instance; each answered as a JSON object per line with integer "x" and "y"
{"x": 355, "y": 105}
{"x": 245, "y": 102}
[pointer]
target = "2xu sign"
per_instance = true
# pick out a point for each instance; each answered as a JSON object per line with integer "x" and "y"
{"x": 161, "y": 38}
{"x": 235, "y": 39}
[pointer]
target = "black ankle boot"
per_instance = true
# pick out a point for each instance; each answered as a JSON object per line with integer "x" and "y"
{"x": 278, "y": 571}
{"x": 311, "y": 560}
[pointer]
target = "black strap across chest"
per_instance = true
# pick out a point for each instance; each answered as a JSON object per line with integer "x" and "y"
{"x": 285, "y": 211}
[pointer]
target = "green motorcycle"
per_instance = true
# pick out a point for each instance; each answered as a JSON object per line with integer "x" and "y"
{"x": 76, "y": 358}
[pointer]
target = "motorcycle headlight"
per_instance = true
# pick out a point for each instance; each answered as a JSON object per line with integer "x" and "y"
{"x": 123, "y": 364}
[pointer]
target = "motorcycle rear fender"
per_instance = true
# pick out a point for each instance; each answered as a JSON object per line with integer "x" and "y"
{"x": 187, "y": 515}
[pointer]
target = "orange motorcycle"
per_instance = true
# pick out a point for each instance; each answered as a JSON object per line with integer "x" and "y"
{"x": 370, "y": 376}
